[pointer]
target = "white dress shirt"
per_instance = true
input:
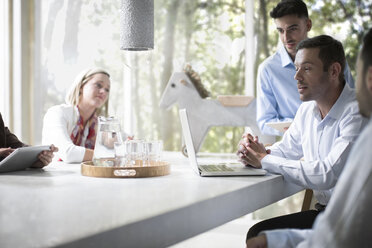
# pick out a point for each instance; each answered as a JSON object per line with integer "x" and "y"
{"x": 347, "y": 220}
{"x": 323, "y": 143}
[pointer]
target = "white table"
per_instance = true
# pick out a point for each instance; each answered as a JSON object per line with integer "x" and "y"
{"x": 57, "y": 206}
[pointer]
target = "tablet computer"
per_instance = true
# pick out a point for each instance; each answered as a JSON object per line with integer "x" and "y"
{"x": 21, "y": 158}
{"x": 280, "y": 126}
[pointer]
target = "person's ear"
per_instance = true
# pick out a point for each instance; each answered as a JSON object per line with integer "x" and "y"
{"x": 369, "y": 79}
{"x": 309, "y": 24}
{"x": 335, "y": 70}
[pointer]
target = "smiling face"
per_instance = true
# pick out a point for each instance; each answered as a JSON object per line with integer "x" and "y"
{"x": 312, "y": 81}
{"x": 292, "y": 29}
{"x": 95, "y": 92}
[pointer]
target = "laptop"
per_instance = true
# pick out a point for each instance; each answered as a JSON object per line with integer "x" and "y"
{"x": 228, "y": 168}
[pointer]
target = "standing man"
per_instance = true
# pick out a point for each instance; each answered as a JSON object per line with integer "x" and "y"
{"x": 347, "y": 220}
{"x": 323, "y": 131}
{"x": 277, "y": 95}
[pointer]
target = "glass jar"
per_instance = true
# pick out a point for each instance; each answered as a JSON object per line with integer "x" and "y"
{"x": 108, "y": 134}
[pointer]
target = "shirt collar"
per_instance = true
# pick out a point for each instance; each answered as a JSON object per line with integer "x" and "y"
{"x": 337, "y": 109}
{"x": 284, "y": 56}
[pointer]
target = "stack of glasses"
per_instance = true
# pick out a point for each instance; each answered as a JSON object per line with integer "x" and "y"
{"x": 110, "y": 150}
{"x": 138, "y": 153}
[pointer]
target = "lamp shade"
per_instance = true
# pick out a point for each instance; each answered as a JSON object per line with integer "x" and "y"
{"x": 137, "y": 25}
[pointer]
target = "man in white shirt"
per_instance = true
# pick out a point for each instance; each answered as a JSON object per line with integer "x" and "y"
{"x": 322, "y": 133}
{"x": 347, "y": 220}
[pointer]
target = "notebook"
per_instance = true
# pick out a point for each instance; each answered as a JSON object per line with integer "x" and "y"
{"x": 21, "y": 158}
{"x": 233, "y": 168}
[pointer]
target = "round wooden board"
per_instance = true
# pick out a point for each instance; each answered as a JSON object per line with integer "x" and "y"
{"x": 156, "y": 169}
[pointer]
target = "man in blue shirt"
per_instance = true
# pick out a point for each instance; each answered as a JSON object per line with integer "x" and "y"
{"x": 277, "y": 94}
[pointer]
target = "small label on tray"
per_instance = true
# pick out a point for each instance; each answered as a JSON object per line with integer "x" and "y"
{"x": 125, "y": 173}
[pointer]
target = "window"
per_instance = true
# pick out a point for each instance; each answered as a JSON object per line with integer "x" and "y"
{"x": 209, "y": 35}
{"x": 4, "y": 58}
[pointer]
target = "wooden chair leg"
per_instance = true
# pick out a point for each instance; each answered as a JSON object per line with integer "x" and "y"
{"x": 307, "y": 200}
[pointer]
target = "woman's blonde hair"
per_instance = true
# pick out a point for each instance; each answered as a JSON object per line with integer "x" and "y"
{"x": 73, "y": 95}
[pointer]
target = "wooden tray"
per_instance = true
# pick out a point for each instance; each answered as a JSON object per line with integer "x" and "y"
{"x": 155, "y": 169}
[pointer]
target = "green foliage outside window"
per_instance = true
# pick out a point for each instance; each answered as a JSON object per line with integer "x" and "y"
{"x": 208, "y": 34}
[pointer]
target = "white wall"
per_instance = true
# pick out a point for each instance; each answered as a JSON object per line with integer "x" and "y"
{"x": 4, "y": 61}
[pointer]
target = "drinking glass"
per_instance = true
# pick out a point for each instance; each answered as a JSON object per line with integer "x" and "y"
{"x": 134, "y": 152}
{"x": 152, "y": 153}
{"x": 120, "y": 154}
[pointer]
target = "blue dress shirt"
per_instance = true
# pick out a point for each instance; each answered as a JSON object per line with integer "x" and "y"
{"x": 277, "y": 94}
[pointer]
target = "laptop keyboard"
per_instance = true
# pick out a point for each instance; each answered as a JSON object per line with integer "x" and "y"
{"x": 214, "y": 168}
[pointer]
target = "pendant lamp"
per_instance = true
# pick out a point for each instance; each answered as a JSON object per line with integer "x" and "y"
{"x": 137, "y": 25}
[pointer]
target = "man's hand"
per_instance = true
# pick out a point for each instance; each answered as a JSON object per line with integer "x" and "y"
{"x": 257, "y": 242}
{"x": 250, "y": 151}
{"x": 45, "y": 157}
{"x": 4, "y": 152}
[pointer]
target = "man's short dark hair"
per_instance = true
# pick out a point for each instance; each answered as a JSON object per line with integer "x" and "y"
{"x": 290, "y": 7}
{"x": 330, "y": 51}
{"x": 366, "y": 51}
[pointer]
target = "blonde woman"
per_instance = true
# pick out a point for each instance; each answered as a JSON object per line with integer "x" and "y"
{"x": 72, "y": 126}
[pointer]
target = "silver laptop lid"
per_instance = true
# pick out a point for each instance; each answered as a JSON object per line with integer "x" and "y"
{"x": 188, "y": 140}
{"x": 243, "y": 171}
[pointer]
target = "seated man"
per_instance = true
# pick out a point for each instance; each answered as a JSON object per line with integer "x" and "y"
{"x": 346, "y": 221}
{"x": 277, "y": 95}
{"x": 8, "y": 142}
{"x": 322, "y": 133}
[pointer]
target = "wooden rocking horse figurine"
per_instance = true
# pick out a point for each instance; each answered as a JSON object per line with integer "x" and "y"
{"x": 186, "y": 89}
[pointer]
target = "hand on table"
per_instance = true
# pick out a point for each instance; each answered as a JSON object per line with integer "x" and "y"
{"x": 250, "y": 151}
{"x": 45, "y": 157}
{"x": 4, "y": 152}
{"x": 257, "y": 242}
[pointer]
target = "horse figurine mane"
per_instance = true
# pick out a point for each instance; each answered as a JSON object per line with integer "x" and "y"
{"x": 196, "y": 81}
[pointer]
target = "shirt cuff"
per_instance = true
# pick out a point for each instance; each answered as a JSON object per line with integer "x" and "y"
{"x": 73, "y": 154}
{"x": 273, "y": 164}
{"x": 270, "y": 163}
{"x": 286, "y": 238}
{"x": 275, "y": 238}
